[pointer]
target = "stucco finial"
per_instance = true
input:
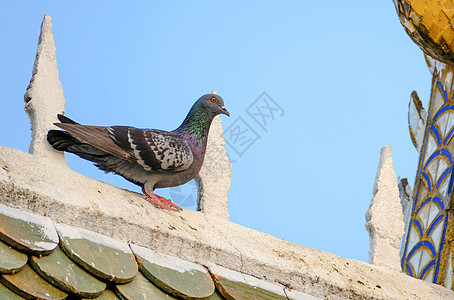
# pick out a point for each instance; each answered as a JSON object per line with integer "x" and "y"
{"x": 384, "y": 217}
{"x": 214, "y": 179}
{"x": 44, "y": 97}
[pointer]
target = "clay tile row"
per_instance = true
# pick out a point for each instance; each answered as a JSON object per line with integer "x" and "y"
{"x": 41, "y": 260}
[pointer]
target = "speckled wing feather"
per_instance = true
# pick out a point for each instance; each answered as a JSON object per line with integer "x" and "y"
{"x": 155, "y": 150}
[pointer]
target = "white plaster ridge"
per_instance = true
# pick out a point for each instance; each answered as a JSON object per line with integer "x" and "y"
{"x": 44, "y": 97}
{"x": 41, "y": 187}
{"x": 384, "y": 217}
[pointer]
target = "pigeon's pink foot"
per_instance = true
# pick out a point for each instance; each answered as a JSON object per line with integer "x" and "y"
{"x": 161, "y": 202}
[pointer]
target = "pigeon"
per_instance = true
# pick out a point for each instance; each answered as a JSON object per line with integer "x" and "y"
{"x": 150, "y": 158}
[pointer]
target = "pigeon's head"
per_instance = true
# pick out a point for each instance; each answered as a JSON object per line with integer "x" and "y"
{"x": 213, "y": 104}
{"x": 198, "y": 121}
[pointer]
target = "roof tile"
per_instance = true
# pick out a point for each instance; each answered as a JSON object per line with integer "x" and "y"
{"x": 107, "y": 295}
{"x": 28, "y": 284}
{"x": 175, "y": 276}
{"x": 7, "y": 294}
{"x": 140, "y": 289}
{"x": 100, "y": 255}
{"x": 216, "y": 296}
{"x": 63, "y": 273}
{"x": 27, "y": 232}
{"x": 11, "y": 261}
{"x": 238, "y": 286}
{"x": 234, "y": 290}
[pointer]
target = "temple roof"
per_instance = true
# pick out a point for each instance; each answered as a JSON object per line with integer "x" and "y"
{"x": 43, "y": 259}
{"x": 66, "y": 235}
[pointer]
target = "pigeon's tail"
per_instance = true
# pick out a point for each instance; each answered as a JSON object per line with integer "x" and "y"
{"x": 63, "y": 141}
{"x": 64, "y": 119}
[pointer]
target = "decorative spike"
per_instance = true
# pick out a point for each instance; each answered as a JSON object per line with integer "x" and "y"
{"x": 385, "y": 221}
{"x": 214, "y": 179}
{"x": 417, "y": 117}
{"x": 44, "y": 97}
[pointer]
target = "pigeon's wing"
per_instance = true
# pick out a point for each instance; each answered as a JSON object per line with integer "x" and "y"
{"x": 97, "y": 137}
{"x": 155, "y": 150}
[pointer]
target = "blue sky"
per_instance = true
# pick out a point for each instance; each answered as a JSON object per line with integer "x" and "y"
{"x": 340, "y": 72}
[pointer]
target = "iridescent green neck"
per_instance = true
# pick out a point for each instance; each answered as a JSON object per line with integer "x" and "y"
{"x": 197, "y": 123}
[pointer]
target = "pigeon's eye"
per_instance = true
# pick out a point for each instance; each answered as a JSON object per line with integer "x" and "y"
{"x": 213, "y": 99}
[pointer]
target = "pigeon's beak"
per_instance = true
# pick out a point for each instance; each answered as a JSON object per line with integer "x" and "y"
{"x": 225, "y": 111}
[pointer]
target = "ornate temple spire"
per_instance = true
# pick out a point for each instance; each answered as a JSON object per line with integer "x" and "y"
{"x": 427, "y": 246}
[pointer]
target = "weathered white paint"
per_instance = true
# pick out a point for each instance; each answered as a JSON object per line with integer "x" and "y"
{"x": 44, "y": 97}
{"x": 385, "y": 220}
{"x": 214, "y": 179}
